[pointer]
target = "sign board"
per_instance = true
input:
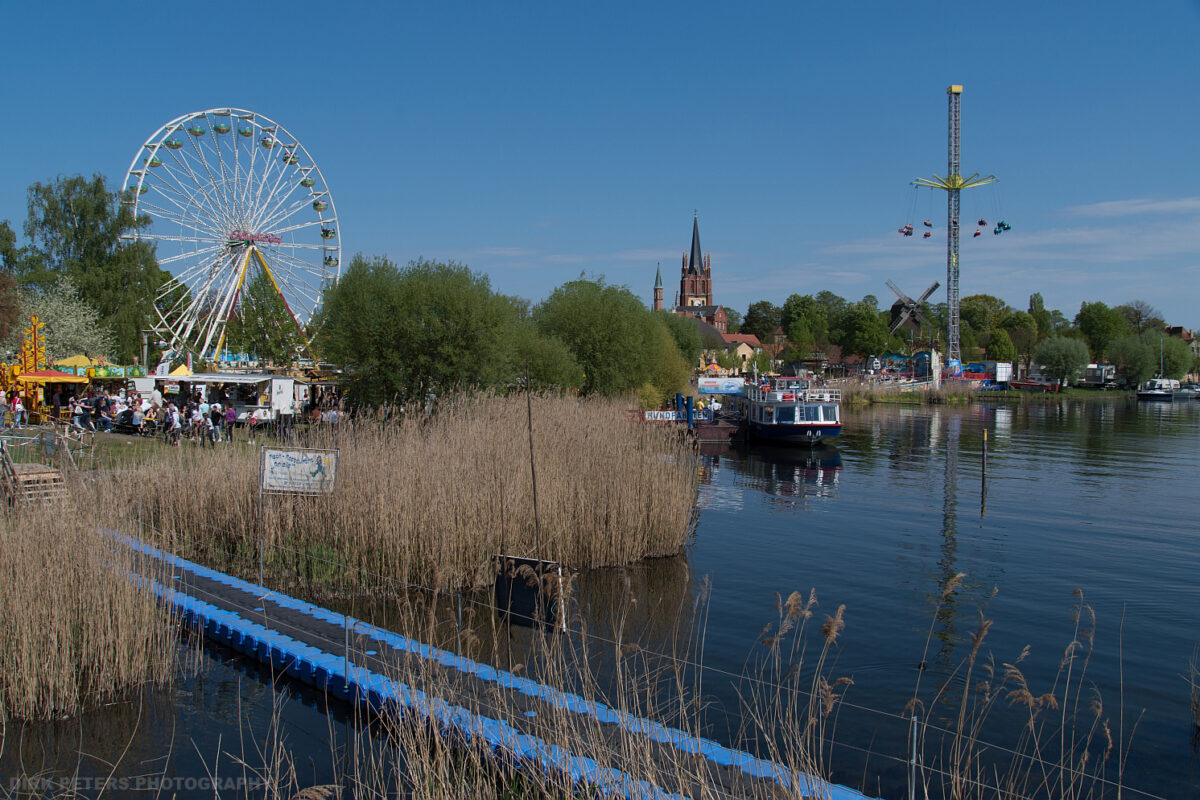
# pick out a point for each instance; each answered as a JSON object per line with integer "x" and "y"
{"x": 720, "y": 385}
{"x": 298, "y": 471}
{"x": 698, "y": 415}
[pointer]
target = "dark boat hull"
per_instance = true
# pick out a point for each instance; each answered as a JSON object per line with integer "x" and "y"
{"x": 794, "y": 434}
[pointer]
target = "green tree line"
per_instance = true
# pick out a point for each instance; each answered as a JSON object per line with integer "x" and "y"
{"x": 1129, "y": 335}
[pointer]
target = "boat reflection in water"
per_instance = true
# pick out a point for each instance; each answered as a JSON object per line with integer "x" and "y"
{"x": 792, "y": 473}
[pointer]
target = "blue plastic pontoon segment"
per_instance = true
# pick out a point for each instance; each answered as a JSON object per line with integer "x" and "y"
{"x": 328, "y": 672}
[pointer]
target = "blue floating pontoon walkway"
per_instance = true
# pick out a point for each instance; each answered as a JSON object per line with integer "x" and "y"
{"x": 250, "y": 618}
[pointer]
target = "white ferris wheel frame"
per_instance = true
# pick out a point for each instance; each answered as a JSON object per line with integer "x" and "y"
{"x": 230, "y": 210}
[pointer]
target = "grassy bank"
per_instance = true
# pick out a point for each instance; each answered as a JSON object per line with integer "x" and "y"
{"x": 430, "y": 501}
{"x": 77, "y": 632}
{"x": 861, "y": 393}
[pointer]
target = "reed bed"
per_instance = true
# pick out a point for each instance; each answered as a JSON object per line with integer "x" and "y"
{"x": 430, "y": 500}
{"x": 77, "y": 631}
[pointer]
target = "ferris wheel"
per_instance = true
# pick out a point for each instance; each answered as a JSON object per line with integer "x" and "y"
{"x": 230, "y": 195}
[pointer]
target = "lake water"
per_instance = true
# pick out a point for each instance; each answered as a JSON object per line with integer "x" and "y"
{"x": 1095, "y": 497}
{"x": 1092, "y": 497}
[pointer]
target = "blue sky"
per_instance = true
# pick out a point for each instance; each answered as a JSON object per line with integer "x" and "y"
{"x": 539, "y": 141}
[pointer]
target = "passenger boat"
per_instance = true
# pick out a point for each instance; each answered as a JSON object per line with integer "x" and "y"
{"x": 791, "y": 411}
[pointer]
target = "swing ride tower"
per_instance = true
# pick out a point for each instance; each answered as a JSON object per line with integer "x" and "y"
{"x": 953, "y": 183}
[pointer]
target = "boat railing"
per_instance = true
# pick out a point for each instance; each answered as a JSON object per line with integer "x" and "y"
{"x": 809, "y": 394}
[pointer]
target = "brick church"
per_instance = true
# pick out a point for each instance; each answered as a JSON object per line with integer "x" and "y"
{"x": 694, "y": 298}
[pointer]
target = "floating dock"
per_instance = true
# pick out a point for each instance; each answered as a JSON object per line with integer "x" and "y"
{"x": 512, "y": 717}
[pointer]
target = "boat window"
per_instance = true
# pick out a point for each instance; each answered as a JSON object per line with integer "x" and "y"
{"x": 830, "y": 412}
{"x": 785, "y": 415}
{"x": 768, "y": 414}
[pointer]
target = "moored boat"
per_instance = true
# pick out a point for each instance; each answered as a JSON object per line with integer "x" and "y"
{"x": 1158, "y": 390}
{"x": 791, "y": 411}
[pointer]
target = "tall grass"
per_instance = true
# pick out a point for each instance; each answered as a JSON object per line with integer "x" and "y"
{"x": 431, "y": 500}
{"x": 76, "y": 631}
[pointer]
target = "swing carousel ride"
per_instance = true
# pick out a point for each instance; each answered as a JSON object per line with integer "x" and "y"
{"x": 952, "y": 184}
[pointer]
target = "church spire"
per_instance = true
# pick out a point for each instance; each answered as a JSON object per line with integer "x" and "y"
{"x": 658, "y": 276}
{"x": 695, "y": 260}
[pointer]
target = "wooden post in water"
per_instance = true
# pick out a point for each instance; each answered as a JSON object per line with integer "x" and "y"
{"x": 983, "y": 478}
{"x": 537, "y": 528}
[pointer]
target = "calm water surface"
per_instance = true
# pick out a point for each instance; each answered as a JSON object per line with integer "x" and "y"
{"x": 1099, "y": 498}
{"x": 1095, "y": 497}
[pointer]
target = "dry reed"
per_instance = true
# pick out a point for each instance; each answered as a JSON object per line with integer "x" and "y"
{"x": 431, "y": 501}
{"x": 77, "y": 631}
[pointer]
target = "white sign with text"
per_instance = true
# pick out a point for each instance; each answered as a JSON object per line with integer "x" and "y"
{"x": 299, "y": 471}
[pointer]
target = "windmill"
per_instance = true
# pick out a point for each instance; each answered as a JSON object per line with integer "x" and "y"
{"x": 907, "y": 312}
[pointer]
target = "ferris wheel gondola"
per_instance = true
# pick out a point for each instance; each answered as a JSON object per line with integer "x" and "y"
{"x": 225, "y": 194}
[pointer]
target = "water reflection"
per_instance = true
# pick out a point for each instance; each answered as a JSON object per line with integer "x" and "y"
{"x": 792, "y": 476}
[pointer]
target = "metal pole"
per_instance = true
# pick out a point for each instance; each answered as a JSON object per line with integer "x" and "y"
{"x": 346, "y": 651}
{"x": 261, "y": 582}
{"x": 953, "y": 351}
{"x": 460, "y": 623}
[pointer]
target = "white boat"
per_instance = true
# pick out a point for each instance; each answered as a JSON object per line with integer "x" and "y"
{"x": 1160, "y": 390}
{"x": 791, "y": 411}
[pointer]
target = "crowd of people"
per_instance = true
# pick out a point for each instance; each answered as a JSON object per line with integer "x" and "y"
{"x": 193, "y": 416}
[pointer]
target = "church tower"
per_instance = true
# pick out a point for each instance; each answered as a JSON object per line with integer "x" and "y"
{"x": 658, "y": 288}
{"x": 695, "y": 282}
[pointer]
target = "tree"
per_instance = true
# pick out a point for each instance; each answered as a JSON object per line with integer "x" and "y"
{"x": 10, "y": 306}
{"x": 1176, "y": 357}
{"x": 686, "y": 333}
{"x": 1022, "y": 330}
{"x": 261, "y": 323}
{"x": 418, "y": 332}
{"x": 72, "y": 326}
{"x": 1041, "y": 317}
{"x": 733, "y": 321}
{"x": 551, "y": 365}
{"x": 75, "y": 227}
{"x": 609, "y": 332}
{"x": 1062, "y": 357}
{"x": 982, "y": 312}
{"x": 1140, "y": 316}
{"x": 862, "y": 331}
{"x": 762, "y": 318}
{"x": 1000, "y": 347}
{"x": 1134, "y": 359}
{"x": 1100, "y": 325}
{"x": 802, "y": 340}
{"x": 805, "y": 309}
{"x": 667, "y": 372}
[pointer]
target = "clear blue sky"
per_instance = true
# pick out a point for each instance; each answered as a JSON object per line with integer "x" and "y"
{"x": 536, "y": 141}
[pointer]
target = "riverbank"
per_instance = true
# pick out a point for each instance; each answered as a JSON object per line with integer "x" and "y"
{"x": 863, "y": 393}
